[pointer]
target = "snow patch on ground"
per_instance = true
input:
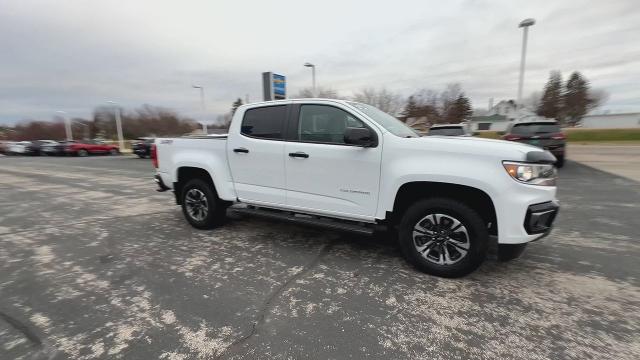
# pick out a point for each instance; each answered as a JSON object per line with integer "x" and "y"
{"x": 168, "y": 317}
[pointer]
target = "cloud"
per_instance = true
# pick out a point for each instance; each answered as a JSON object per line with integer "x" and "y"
{"x": 74, "y": 55}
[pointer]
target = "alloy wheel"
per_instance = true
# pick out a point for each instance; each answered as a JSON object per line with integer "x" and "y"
{"x": 196, "y": 204}
{"x": 441, "y": 239}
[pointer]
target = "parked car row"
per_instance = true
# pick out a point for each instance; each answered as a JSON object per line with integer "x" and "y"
{"x": 545, "y": 134}
{"x": 59, "y": 148}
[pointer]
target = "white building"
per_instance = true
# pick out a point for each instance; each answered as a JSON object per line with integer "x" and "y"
{"x": 611, "y": 121}
{"x": 501, "y": 115}
{"x": 506, "y": 108}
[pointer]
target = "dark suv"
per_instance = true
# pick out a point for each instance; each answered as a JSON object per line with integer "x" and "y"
{"x": 545, "y": 134}
{"x": 142, "y": 146}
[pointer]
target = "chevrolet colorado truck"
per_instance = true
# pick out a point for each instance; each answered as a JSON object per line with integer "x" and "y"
{"x": 349, "y": 166}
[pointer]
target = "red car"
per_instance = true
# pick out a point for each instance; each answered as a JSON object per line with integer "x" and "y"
{"x": 86, "y": 147}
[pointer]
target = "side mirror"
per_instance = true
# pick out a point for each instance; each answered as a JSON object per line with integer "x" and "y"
{"x": 364, "y": 137}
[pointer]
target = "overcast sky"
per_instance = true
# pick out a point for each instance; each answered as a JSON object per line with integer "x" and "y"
{"x": 75, "y": 55}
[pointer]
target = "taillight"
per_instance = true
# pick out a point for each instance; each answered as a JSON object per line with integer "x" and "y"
{"x": 559, "y": 136}
{"x": 154, "y": 156}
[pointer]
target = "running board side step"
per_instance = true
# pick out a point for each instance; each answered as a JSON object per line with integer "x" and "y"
{"x": 305, "y": 220}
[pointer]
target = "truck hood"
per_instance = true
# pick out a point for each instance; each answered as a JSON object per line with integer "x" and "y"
{"x": 505, "y": 150}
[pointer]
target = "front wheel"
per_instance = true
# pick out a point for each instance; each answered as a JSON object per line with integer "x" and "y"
{"x": 200, "y": 205}
{"x": 114, "y": 152}
{"x": 83, "y": 152}
{"x": 443, "y": 237}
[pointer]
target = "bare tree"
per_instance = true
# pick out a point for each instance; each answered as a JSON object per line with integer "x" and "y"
{"x": 383, "y": 99}
{"x": 532, "y": 102}
{"x": 144, "y": 121}
{"x": 223, "y": 121}
{"x": 321, "y": 92}
{"x": 450, "y": 105}
{"x": 449, "y": 95}
{"x": 597, "y": 98}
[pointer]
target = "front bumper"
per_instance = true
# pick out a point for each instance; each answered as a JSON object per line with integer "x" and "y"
{"x": 161, "y": 186}
{"x": 539, "y": 218}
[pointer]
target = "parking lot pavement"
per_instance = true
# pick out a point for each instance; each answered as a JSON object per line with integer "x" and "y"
{"x": 622, "y": 160}
{"x": 95, "y": 264}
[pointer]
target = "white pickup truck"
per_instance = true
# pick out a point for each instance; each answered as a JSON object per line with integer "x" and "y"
{"x": 350, "y": 166}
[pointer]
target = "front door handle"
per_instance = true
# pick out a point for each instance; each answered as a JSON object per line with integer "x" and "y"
{"x": 241, "y": 150}
{"x": 299, "y": 154}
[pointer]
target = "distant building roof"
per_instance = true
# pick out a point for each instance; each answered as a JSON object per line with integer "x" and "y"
{"x": 489, "y": 118}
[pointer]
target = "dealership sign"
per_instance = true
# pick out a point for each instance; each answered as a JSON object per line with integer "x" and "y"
{"x": 274, "y": 86}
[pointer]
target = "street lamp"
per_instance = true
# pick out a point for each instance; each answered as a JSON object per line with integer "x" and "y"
{"x": 204, "y": 109}
{"x": 524, "y": 24}
{"x": 67, "y": 125}
{"x": 118, "y": 124}
{"x": 313, "y": 75}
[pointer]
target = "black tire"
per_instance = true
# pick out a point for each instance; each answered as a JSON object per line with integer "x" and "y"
{"x": 215, "y": 209}
{"x": 560, "y": 161}
{"x": 508, "y": 252}
{"x": 82, "y": 152}
{"x": 473, "y": 231}
{"x": 141, "y": 156}
{"x": 114, "y": 152}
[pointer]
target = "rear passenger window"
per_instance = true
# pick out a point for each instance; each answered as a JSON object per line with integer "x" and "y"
{"x": 265, "y": 122}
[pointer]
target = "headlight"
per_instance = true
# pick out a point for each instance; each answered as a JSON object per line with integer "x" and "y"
{"x": 533, "y": 174}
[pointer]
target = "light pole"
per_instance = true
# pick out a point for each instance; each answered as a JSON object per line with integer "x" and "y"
{"x": 67, "y": 125}
{"x": 313, "y": 76}
{"x": 204, "y": 109}
{"x": 524, "y": 24}
{"x": 118, "y": 124}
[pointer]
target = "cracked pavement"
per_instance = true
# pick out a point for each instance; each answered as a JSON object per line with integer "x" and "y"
{"x": 94, "y": 263}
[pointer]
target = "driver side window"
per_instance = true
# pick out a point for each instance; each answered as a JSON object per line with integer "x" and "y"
{"x": 326, "y": 124}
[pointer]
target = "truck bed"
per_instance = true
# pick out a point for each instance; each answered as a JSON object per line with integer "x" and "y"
{"x": 199, "y": 151}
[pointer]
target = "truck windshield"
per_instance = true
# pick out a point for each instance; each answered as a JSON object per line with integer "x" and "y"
{"x": 391, "y": 124}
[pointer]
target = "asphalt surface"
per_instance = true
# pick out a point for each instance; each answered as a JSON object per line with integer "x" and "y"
{"x": 95, "y": 264}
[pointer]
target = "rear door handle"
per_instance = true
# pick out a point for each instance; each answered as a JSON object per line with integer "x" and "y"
{"x": 241, "y": 150}
{"x": 299, "y": 154}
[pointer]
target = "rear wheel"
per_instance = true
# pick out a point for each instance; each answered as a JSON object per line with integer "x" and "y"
{"x": 560, "y": 161}
{"x": 200, "y": 205}
{"x": 83, "y": 152}
{"x": 113, "y": 151}
{"x": 443, "y": 237}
